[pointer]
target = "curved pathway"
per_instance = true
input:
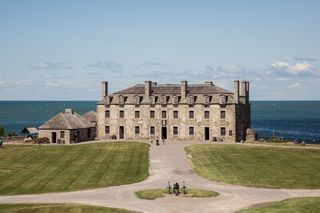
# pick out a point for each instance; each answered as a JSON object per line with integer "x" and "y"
{"x": 168, "y": 163}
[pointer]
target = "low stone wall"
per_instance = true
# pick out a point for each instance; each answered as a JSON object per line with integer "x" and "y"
{"x": 13, "y": 139}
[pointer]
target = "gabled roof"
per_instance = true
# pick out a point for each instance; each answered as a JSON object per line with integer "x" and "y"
{"x": 30, "y": 130}
{"x": 67, "y": 121}
{"x": 90, "y": 116}
{"x": 174, "y": 89}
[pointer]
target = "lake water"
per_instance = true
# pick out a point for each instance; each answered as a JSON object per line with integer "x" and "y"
{"x": 287, "y": 119}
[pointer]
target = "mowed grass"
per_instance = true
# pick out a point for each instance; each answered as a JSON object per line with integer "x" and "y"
{"x": 37, "y": 169}
{"x": 48, "y": 208}
{"x": 151, "y": 194}
{"x": 310, "y": 205}
{"x": 270, "y": 167}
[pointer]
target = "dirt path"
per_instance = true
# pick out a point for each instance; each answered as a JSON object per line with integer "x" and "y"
{"x": 168, "y": 163}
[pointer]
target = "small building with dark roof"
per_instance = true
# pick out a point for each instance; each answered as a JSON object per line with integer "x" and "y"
{"x": 175, "y": 112}
{"x": 67, "y": 127}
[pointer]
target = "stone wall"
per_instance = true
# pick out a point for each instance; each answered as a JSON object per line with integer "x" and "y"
{"x": 183, "y": 122}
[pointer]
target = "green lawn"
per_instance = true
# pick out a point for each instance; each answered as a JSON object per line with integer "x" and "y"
{"x": 53, "y": 208}
{"x": 295, "y": 205}
{"x": 151, "y": 194}
{"x": 271, "y": 167}
{"x": 29, "y": 169}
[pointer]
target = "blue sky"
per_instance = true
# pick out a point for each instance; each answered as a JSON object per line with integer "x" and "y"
{"x": 62, "y": 50}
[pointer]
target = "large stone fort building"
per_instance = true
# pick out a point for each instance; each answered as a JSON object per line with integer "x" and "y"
{"x": 175, "y": 112}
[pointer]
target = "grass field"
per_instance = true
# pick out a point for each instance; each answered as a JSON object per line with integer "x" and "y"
{"x": 151, "y": 194}
{"x": 308, "y": 205}
{"x": 53, "y": 208}
{"x": 28, "y": 169}
{"x": 271, "y": 167}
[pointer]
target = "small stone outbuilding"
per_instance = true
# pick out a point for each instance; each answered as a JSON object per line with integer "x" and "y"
{"x": 67, "y": 127}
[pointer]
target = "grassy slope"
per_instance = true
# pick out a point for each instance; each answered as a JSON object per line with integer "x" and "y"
{"x": 34, "y": 169}
{"x": 52, "y": 208}
{"x": 271, "y": 167}
{"x": 310, "y": 205}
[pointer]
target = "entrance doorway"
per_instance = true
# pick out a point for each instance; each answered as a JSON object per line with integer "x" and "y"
{"x": 121, "y": 132}
{"x": 54, "y": 137}
{"x": 164, "y": 132}
{"x": 206, "y": 133}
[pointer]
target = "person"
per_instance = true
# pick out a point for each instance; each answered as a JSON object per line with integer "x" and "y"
{"x": 151, "y": 141}
{"x": 157, "y": 141}
{"x": 163, "y": 141}
{"x": 1, "y": 141}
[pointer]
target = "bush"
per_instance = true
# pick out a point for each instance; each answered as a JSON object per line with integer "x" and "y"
{"x": 43, "y": 140}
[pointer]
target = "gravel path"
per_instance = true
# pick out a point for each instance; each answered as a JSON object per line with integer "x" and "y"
{"x": 168, "y": 163}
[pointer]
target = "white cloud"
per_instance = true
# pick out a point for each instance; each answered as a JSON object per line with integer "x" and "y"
{"x": 281, "y": 68}
{"x": 108, "y": 65}
{"x": 294, "y": 86}
{"x": 49, "y": 65}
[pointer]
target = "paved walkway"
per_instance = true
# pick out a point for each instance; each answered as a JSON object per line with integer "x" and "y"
{"x": 168, "y": 163}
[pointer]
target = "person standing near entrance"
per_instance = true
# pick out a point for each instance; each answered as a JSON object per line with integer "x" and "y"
{"x": 157, "y": 141}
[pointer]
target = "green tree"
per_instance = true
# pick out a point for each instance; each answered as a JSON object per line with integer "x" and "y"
{"x": 2, "y": 131}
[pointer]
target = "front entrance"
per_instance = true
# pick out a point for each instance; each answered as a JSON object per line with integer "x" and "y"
{"x": 164, "y": 132}
{"x": 54, "y": 137}
{"x": 121, "y": 132}
{"x": 206, "y": 133}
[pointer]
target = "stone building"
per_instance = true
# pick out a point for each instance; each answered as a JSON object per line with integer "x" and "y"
{"x": 67, "y": 127}
{"x": 175, "y": 112}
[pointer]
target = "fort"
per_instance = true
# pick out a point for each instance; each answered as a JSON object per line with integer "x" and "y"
{"x": 175, "y": 112}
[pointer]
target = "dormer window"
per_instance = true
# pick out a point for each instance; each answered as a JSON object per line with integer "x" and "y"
{"x": 137, "y": 100}
{"x": 191, "y": 100}
{"x": 175, "y": 100}
{"x": 163, "y": 100}
{"x": 152, "y": 100}
{"x": 121, "y": 100}
{"x": 223, "y": 100}
{"x": 107, "y": 98}
{"x": 206, "y": 100}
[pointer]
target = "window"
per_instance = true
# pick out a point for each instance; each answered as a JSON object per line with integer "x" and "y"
{"x": 121, "y": 100}
{"x": 175, "y": 114}
{"x": 175, "y": 130}
{"x": 175, "y": 100}
{"x": 207, "y": 100}
{"x": 121, "y": 114}
{"x": 137, "y": 114}
{"x": 222, "y": 114}
{"x": 191, "y": 130}
{"x": 191, "y": 100}
{"x": 61, "y": 134}
{"x": 136, "y": 100}
{"x": 137, "y": 130}
{"x": 164, "y": 114}
{"x": 222, "y": 131}
{"x": 152, "y": 114}
{"x": 191, "y": 114}
{"x": 152, "y": 100}
{"x": 107, "y": 129}
{"x": 230, "y": 132}
{"x": 164, "y": 100}
{"x": 206, "y": 114}
{"x": 223, "y": 99}
{"x": 107, "y": 114}
{"x": 152, "y": 130}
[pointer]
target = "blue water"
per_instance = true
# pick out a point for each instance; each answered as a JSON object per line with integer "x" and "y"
{"x": 287, "y": 119}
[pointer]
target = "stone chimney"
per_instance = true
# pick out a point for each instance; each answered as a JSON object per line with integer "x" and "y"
{"x": 247, "y": 91}
{"x": 104, "y": 89}
{"x": 68, "y": 111}
{"x": 147, "y": 89}
{"x": 243, "y": 88}
{"x": 184, "y": 88}
{"x": 208, "y": 83}
{"x": 236, "y": 91}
